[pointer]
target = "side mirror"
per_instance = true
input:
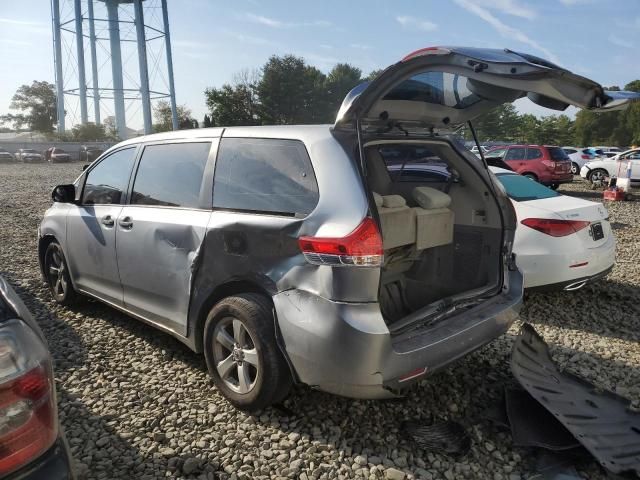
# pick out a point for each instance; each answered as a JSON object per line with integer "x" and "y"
{"x": 64, "y": 194}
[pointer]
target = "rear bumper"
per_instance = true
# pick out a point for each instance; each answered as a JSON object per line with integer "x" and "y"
{"x": 54, "y": 464}
{"x": 552, "y": 271}
{"x": 556, "y": 179}
{"x": 346, "y": 348}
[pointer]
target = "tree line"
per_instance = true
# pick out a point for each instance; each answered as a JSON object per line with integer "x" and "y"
{"x": 287, "y": 90}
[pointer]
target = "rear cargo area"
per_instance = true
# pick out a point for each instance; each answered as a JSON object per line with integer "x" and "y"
{"x": 441, "y": 229}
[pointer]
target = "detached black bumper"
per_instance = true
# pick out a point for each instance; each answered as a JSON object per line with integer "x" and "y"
{"x": 54, "y": 464}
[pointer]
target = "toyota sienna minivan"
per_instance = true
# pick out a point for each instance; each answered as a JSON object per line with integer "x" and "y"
{"x": 308, "y": 254}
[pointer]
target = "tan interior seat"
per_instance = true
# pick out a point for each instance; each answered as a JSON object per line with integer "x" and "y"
{"x": 397, "y": 221}
{"x": 434, "y": 219}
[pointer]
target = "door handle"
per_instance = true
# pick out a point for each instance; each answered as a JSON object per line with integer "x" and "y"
{"x": 126, "y": 222}
{"x": 108, "y": 221}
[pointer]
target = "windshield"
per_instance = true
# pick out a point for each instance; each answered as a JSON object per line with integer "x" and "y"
{"x": 523, "y": 189}
{"x": 557, "y": 153}
{"x": 435, "y": 87}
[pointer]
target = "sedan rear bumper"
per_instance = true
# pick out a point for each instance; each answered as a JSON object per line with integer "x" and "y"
{"x": 346, "y": 348}
{"x": 54, "y": 464}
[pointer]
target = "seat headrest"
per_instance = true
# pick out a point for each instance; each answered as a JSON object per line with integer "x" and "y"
{"x": 393, "y": 201}
{"x": 377, "y": 198}
{"x": 430, "y": 198}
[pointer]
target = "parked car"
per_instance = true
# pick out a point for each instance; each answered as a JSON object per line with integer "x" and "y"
{"x": 6, "y": 157}
{"x": 608, "y": 149}
{"x": 269, "y": 250}
{"x": 57, "y": 155}
{"x": 89, "y": 154}
{"x": 476, "y": 152}
{"x": 597, "y": 170}
{"x": 33, "y": 445}
{"x": 561, "y": 242}
{"x": 28, "y": 155}
{"x": 578, "y": 157}
{"x": 545, "y": 164}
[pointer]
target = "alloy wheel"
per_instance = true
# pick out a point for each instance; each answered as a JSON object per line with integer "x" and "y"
{"x": 597, "y": 176}
{"x": 57, "y": 273}
{"x": 235, "y": 355}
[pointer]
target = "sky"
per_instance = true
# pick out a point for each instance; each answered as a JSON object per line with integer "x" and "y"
{"x": 213, "y": 40}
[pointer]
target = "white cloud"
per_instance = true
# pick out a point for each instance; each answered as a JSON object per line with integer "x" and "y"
{"x": 503, "y": 29}
{"x": 621, "y": 42}
{"x": 416, "y": 23}
{"x": 26, "y": 23}
{"x": 509, "y": 7}
{"x": 360, "y": 46}
{"x": 574, "y": 2}
{"x": 275, "y": 23}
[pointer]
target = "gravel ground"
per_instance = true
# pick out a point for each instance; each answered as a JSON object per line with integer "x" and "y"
{"x": 135, "y": 403}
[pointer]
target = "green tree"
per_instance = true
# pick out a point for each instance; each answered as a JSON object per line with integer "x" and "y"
{"x": 37, "y": 106}
{"x": 206, "y": 123}
{"x": 88, "y": 131}
{"x": 163, "y": 118}
{"x": 290, "y": 92}
{"x": 340, "y": 80}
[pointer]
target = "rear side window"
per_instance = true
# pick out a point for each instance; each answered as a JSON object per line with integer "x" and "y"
{"x": 522, "y": 189}
{"x": 569, "y": 151}
{"x": 171, "y": 175}
{"x": 264, "y": 175}
{"x": 556, "y": 153}
{"x": 516, "y": 153}
{"x": 533, "y": 153}
{"x": 108, "y": 180}
{"x": 498, "y": 153}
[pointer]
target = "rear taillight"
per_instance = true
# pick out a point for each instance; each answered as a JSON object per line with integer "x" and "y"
{"x": 555, "y": 228}
{"x": 28, "y": 425}
{"x": 585, "y": 157}
{"x": 362, "y": 247}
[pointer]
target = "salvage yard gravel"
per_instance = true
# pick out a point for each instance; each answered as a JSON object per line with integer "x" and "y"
{"x": 136, "y": 403}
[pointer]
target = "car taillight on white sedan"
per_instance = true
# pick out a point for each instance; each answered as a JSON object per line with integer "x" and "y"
{"x": 361, "y": 248}
{"x": 28, "y": 425}
{"x": 555, "y": 228}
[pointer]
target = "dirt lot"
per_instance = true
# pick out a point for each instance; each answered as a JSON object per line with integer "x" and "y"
{"x": 135, "y": 403}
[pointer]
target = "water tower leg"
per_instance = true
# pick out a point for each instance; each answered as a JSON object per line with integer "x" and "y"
{"x": 57, "y": 44}
{"x": 167, "y": 43}
{"x": 116, "y": 68}
{"x": 142, "y": 62}
{"x": 94, "y": 63}
{"x": 82, "y": 81}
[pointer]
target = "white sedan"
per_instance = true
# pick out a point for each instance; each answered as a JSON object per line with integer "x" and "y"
{"x": 561, "y": 242}
{"x": 597, "y": 170}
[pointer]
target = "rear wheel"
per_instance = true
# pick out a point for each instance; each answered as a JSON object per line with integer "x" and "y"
{"x": 57, "y": 275}
{"x": 530, "y": 175}
{"x": 575, "y": 169}
{"x": 598, "y": 175}
{"x": 242, "y": 356}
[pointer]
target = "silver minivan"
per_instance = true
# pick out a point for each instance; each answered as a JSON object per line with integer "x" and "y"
{"x": 308, "y": 254}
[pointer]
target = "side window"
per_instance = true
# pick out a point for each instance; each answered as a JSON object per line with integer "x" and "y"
{"x": 107, "y": 181}
{"x": 171, "y": 175}
{"x": 498, "y": 153}
{"x": 533, "y": 153}
{"x": 569, "y": 151}
{"x": 516, "y": 153}
{"x": 264, "y": 175}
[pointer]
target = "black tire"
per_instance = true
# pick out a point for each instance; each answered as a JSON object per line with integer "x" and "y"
{"x": 598, "y": 172}
{"x": 530, "y": 175}
{"x": 575, "y": 168}
{"x": 270, "y": 373}
{"x": 554, "y": 186}
{"x": 57, "y": 275}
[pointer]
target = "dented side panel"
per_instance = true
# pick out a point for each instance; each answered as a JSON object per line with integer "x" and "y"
{"x": 155, "y": 259}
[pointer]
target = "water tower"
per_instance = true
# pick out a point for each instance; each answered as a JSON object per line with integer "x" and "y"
{"x": 113, "y": 34}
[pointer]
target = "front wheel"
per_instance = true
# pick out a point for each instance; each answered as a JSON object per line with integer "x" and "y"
{"x": 598, "y": 175}
{"x": 241, "y": 352}
{"x": 57, "y": 275}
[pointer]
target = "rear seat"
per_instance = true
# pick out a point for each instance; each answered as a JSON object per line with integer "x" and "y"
{"x": 397, "y": 221}
{"x": 434, "y": 219}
